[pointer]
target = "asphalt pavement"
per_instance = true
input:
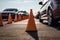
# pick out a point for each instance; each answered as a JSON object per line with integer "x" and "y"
{"x": 17, "y": 31}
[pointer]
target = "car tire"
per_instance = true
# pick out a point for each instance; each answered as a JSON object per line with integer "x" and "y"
{"x": 40, "y": 20}
{"x": 51, "y": 20}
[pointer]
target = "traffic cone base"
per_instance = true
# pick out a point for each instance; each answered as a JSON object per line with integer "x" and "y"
{"x": 31, "y": 23}
{"x": 1, "y": 23}
{"x": 9, "y": 22}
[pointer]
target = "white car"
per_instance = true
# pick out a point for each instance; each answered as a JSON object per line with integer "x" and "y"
{"x": 51, "y": 10}
{"x": 23, "y": 13}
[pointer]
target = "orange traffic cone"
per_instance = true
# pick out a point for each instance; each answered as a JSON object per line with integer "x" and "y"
{"x": 19, "y": 17}
{"x": 22, "y": 17}
{"x": 31, "y": 23}
{"x": 9, "y": 19}
{"x": 1, "y": 21}
{"x": 16, "y": 18}
{"x": 27, "y": 17}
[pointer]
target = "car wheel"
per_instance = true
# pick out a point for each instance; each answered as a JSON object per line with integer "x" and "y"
{"x": 40, "y": 20}
{"x": 51, "y": 20}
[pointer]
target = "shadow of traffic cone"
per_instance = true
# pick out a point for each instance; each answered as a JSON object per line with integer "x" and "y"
{"x": 19, "y": 17}
{"x": 1, "y": 21}
{"x": 9, "y": 19}
{"x": 16, "y": 18}
{"x": 31, "y": 23}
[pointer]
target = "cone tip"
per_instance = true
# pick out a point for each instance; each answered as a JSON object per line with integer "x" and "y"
{"x": 30, "y": 9}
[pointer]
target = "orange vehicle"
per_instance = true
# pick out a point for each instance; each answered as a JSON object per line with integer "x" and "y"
{"x": 51, "y": 10}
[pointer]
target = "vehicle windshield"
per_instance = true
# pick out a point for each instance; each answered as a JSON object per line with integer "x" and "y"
{"x": 10, "y": 10}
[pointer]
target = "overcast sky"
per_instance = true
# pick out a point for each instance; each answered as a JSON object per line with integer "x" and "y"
{"x": 20, "y": 4}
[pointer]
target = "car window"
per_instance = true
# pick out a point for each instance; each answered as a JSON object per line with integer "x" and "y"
{"x": 10, "y": 10}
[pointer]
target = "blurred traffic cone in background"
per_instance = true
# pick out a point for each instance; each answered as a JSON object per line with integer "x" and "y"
{"x": 31, "y": 23}
{"x": 23, "y": 17}
{"x": 19, "y": 17}
{"x": 16, "y": 18}
{"x": 9, "y": 19}
{"x": 1, "y": 21}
